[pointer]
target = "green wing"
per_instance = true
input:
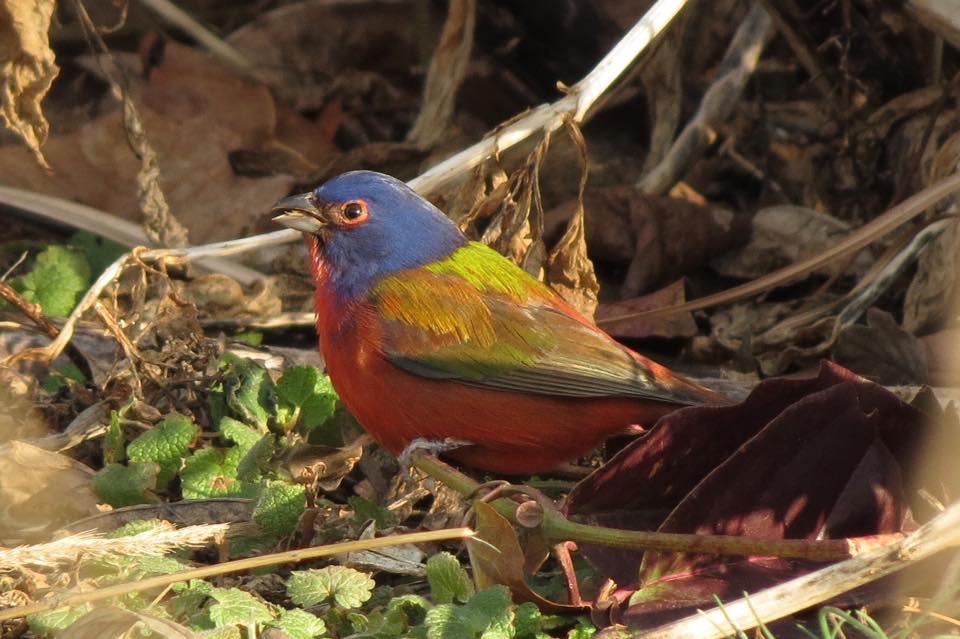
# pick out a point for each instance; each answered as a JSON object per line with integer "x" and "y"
{"x": 478, "y": 319}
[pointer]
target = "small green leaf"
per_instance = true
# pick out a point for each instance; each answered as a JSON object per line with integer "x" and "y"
{"x": 445, "y": 621}
{"x": 239, "y": 433}
{"x": 248, "y": 390}
{"x": 349, "y": 588}
{"x": 490, "y": 603}
{"x": 526, "y": 621}
{"x": 309, "y": 390}
{"x": 238, "y": 607}
{"x": 53, "y": 622}
{"x": 114, "y": 450}
{"x": 60, "y": 375}
{"x": 120, "y": 485}
{"x": 256, "y": 459}
{"x": 448, "y": 580}
{"x": 297, "y": 384}
{"x": 212, "y": 472}
{"x": 188, "y": 599}
{"x": 299, "y": 624}
{"x": 583, "y": 630}
{"x": 279, "y": 507}
{"x": 57, "y": 280}
{"x": 167, "y": 444}
{"x": 100, "y": 252}
{"x": 413, "y": 608}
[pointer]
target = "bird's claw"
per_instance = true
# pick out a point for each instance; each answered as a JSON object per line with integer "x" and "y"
{"x": 432, "y": 446}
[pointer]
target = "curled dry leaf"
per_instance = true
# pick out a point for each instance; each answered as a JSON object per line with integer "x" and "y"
{"x": 40, "y": 491}
{"x": 27, "y": 69}
{"x": 660, "y": 238}
{"x": 497, "y": 558}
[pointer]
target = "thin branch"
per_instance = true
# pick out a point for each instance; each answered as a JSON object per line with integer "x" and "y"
{"x": 577, "y": 103}
{"x": 86, "y": 218}
{"x": 737, "y": 66}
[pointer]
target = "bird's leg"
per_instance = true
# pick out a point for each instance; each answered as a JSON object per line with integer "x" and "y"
{"x": 432, "y": 446}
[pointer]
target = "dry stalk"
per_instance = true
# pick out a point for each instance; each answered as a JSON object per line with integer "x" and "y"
{"x": 941, "y": 533}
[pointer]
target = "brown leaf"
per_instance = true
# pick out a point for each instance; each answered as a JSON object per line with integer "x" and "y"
{"x": 675, "y": 325}
{"x": 882, "y": 351}
{"x": 782, "y": 235}
{"x": 935, "y": 288}
{"x": 40, "y": 491}
{"x": 195, "y": 111}
{"x": 659, "y": 238}
{"x": 447, "y": 70}
{"x": 27, "y": 69}
{"x": 497, "y": 558}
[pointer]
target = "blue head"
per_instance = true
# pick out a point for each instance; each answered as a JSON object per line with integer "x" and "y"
{"x": 367, "y": 225}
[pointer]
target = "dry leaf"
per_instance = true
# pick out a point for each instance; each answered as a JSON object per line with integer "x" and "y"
{"x": 674, "y": 325}
{"x": 27, "y": 69}
{"x": 119, "y": 623}
{"x": 447, "y": 70}
{"x": 196, "y": 111}
{"x": 782, "y": 235}
{"x": 935, "y": 288}
{"x": 40, "y": 491}
{"x": 882, "y": 351}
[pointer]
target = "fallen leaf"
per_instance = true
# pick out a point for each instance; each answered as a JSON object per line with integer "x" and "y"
{"x": 27, "y": 68}
{"x": 658, "y": 238}
{"x": 882, "y": 351}
{"x": 40, "y": 491}
{"x": 674, "y": 325}
{"x": 782, "y": 235}
{"x": 194, "y": 112}
{"x": 497, "y": 558}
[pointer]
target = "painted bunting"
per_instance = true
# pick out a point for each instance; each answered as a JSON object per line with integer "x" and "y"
{"x": 430, "y": 337}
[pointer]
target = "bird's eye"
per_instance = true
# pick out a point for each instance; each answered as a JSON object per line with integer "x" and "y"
{"x": 354, "y": 212}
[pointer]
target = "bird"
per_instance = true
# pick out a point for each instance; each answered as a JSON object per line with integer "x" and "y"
{"x": 430, "y": 338}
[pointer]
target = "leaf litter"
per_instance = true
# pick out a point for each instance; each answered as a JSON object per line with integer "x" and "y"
{"x": 779, "y": 174}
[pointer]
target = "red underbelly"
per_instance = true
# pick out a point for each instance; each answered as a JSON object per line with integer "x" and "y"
{"x": 511, "y": 432}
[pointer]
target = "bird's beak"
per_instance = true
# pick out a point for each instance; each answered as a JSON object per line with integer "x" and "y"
{"x": 300, "y": 212}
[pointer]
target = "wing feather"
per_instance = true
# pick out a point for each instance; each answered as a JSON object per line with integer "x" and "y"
{"x": 437, "y": 324}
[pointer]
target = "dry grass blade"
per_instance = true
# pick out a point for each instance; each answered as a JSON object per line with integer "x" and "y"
{"x": 70, "y": 549}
